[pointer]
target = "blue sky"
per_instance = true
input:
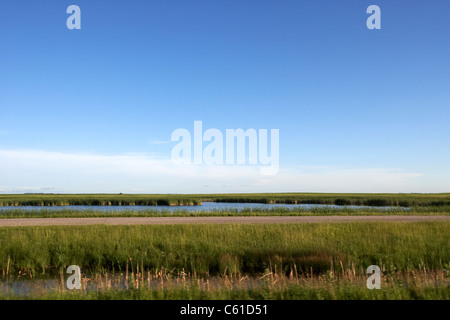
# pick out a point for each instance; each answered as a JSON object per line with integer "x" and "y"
{"x": 92, "y": 110}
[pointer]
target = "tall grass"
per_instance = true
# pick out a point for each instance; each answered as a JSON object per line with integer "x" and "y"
{"x": 363, "y": 199}
{"x": 96, "y": 200}
{"x": 218, "y": 249}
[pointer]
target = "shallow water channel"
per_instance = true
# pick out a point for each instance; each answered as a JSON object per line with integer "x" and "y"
{"x": 206, "y": 206}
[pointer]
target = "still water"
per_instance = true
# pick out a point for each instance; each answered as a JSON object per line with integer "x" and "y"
{"x": 207, "y": 206}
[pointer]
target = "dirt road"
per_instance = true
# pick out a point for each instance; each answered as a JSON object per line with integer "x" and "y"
{"x": 215, "y": 220}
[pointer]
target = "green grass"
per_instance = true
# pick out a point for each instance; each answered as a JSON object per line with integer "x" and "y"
{"x": 232, "y": 261}
{"x": 294, "y": 292}
{"x": 367, "y": 199}
{"x": 212, "y": 249}
{"x": 412, "y": 286}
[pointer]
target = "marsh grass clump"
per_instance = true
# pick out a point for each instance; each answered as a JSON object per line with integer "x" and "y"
{"x": 346, "y": 199}
{"x": 96, "y": 200}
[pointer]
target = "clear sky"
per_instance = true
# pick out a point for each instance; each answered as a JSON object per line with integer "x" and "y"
{"x": 93, "y": 110}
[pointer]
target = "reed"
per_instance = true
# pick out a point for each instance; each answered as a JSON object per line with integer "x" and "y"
{"x": 226, "y": 249}
{"x": 166, "y": 284}
{"x": 96, "y": 200}
{"x": 366, "y": 199}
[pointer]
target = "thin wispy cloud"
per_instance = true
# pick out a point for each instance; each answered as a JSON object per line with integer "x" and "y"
{"x": 143, "y": 173}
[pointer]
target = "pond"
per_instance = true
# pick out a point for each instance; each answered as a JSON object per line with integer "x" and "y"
{"x": 206, "y": 206}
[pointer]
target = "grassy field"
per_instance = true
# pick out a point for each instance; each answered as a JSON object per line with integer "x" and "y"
{"x": 213, "y": 248}
{"x": 299, "y": 261}
{"x": 366, "y": 199}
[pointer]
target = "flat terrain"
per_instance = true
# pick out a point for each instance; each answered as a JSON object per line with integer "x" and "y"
{"x": 210, "y": 220}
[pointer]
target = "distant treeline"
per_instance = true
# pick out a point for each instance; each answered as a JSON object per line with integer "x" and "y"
{"x": 350, "y": 199}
